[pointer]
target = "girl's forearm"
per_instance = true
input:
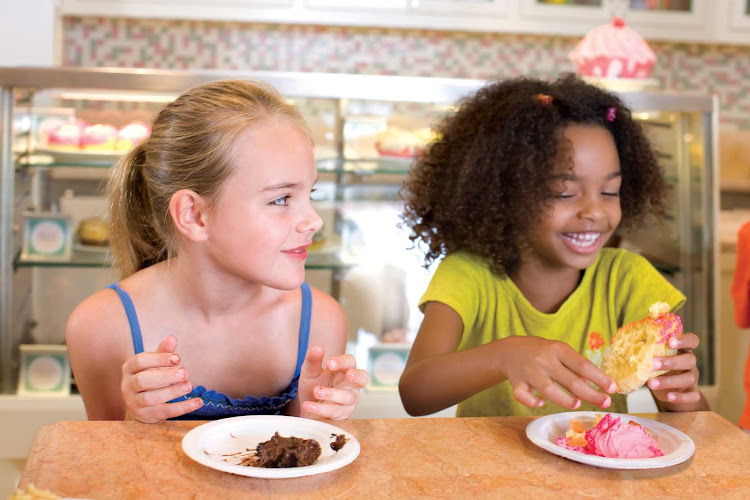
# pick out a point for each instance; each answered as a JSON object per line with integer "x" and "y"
{"x": 438, "y": 382}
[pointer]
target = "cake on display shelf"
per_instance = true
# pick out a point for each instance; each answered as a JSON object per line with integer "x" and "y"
{"x": 78, "y": 135}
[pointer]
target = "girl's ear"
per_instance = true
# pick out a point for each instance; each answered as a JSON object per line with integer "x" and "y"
{"x": 189, "y": 212}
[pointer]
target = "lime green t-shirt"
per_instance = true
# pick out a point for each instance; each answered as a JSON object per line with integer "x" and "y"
{"x": 617, "y": 289}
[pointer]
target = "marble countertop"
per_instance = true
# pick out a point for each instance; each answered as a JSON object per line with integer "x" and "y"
{"x": 415, "y": 457}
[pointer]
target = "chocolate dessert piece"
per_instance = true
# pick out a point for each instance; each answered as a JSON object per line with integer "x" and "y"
{"x": 339, "y": 442}
{"x": 282, "y": 452}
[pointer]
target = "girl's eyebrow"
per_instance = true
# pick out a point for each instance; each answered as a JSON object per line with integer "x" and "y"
{"x": 572, "y": 177}
{"x": 285, "y": 185}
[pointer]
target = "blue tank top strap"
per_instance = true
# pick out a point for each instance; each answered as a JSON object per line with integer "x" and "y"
{"x": 304, "y": 327}
{"x": 135, "y": 327}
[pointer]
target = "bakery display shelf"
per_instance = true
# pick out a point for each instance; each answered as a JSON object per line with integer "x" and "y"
{"x": 78, "y": 258}
{"x": 40, "y": 157}
{"x": 366, "y": 166}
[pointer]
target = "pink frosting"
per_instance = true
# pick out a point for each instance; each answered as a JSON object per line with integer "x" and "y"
{"x": 670, "y": 324}
{"x": 67, "y": 134}
{"x": 613, "y": 50}
{"x": 100, "y": 133}
{"x": 613, "y": 439}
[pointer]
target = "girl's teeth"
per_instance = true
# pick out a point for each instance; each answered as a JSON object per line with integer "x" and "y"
{"x": 582, "y": 239}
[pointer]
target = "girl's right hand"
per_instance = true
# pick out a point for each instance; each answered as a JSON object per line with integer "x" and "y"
{"x": 554, "y": 370}
{"x": 151, "y": 379}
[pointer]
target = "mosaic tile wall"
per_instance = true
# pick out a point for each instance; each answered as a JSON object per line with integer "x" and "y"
{"x": 724, "y": 70}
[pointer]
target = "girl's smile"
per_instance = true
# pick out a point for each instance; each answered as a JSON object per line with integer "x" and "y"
{"x": 299, "y": 253}
{"x": 585, "y": 243}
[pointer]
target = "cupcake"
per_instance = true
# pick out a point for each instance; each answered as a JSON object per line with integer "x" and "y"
{"x": 629, "y": 359}
{"x": 99, "y": 136}
{"x": 613, "y": 51}
{"x": 67, "y": 135}
{"x": 131, "y": 134}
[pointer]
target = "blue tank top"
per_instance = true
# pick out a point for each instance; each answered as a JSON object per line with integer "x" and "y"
{"x": 218, "y": 405}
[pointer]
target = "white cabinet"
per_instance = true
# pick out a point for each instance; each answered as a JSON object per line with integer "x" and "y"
{"x": 417, "y": 7}
{"x": 706, "y": 21}
{"x": 733, "y": 21}
{"x": 654, "y": 19}
{"x": 228, "y": 10}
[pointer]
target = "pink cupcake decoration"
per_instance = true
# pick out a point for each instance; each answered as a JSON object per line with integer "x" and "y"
{"x": 613, "y": 51}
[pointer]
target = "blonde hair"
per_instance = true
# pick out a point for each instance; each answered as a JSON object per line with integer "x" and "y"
{"x": 190, "y": 147}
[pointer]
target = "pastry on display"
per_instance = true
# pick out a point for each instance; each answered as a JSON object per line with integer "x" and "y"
{"x": 629, "y": 358}
{"x": 613, "y": 51}
{"x": 611, "y": 438}
{"x": 67, "y": 135}
{"x": 99, "y": 137}
{"x": 131, "y": 134}
{"x": 395, "y": 141}
{"x": 93, "y": 231}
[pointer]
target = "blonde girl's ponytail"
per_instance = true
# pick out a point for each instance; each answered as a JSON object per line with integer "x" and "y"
{"x": 134, "y": 243}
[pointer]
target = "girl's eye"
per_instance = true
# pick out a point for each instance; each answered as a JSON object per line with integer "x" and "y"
{"x": 281, "y": 202}
{"x": 613, "y": 194}
{"x": 563, "y": 196}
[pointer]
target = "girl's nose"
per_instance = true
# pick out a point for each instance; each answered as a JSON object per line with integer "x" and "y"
{"x": 311, "y": 221}
{"x": 591, "y": 208}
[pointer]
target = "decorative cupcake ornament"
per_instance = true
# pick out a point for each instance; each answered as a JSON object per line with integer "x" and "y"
{"x": 613, "y": 51}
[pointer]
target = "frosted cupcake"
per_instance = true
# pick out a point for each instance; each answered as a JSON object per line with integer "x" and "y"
{"x": 613, "y": 51}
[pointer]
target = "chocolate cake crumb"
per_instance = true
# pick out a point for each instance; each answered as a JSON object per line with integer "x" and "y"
{"x": 283, "y": 452}
{"x": 339, "y": 442}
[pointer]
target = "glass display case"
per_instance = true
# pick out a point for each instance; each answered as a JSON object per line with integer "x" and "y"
{"x": 366, "y": 131}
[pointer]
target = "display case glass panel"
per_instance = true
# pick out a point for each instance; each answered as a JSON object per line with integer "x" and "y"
{"x": 367, "y": 132}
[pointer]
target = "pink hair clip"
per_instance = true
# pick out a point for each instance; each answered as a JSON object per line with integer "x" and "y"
{"x": 543, "y": 99}
{"x": 611, "y": 114}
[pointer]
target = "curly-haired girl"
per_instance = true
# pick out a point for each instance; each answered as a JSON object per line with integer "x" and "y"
{"x": 526, "y": 184}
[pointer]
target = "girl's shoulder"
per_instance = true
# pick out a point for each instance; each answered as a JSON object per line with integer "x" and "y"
{"x": 464, "y": 261}
{"x": 326, "y": 309}
{"x": 101, "y": 308}
{"x": 328, "y": 322}
{"x": 98, "y": 327}
{"x": 103, "y": 311}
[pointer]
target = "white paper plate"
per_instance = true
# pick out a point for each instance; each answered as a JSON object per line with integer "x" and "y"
{"x": 236, "y": 434}
{"x": 676, "y": 445}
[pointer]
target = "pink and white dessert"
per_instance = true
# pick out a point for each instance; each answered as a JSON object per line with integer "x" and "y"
{"x": 612, "y": 439}
{"x": 67, "y": 135}
{"x": 131, "y": 134}
{"x": 613, "y": 51}
{"x": 99, "y": 136}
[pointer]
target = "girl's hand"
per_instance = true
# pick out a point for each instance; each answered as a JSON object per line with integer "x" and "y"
{"x": 150, "y": 379}
{"x": 554, "y": 370}
{"x": 678, "y": 388}
{"x": 335, "y": 387}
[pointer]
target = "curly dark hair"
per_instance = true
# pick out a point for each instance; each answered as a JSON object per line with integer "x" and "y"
{"x": 486, "y": 180}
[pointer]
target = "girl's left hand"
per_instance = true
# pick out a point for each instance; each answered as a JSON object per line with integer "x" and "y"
{"x": 336, "y": 386}
{"x": 678, "y": 388}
